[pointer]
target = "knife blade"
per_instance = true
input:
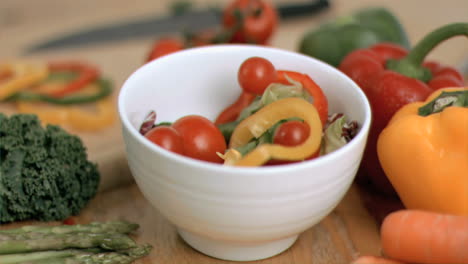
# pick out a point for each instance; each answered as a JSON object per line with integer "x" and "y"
{"x": 190, "y": 21}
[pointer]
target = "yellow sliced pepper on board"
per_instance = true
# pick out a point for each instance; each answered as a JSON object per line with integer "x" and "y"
{"x": 19, "y": 75}
{"x": 101, "y": 117}
{"x": 255, "y": 125}
{"x": 426, "y": 157}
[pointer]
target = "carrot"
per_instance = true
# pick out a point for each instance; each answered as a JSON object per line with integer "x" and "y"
{"x": 375, "y": 260}
{"x": 425, "y": 237}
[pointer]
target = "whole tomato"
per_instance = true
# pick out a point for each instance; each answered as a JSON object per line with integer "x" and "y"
{"x": 255, "y": 74}
{"x": 163, "y": 47}
{"x": 201, "y": 138}
{"x": 253, "y": 21}
{"x": 291, "y": 133}
{"x": 167, "y": 138}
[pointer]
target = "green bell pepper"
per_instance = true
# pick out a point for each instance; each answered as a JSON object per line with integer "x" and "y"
{"x": 335, "y": 39}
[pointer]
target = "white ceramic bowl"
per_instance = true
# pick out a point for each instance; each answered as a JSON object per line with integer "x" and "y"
{"x": 229, "y": 212}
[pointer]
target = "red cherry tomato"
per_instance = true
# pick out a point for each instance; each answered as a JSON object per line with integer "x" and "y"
{"x": 167, "y": 138}
{"x": 163, "y": 47}
{"x": 257, "y": 21}
{"x": 255, "y": 74}
{"x": 291, "y": 133}
{"x": 202, "y": 139}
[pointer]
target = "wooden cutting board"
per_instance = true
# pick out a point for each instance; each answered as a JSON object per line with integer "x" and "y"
{"x": 344, "y": 234}
{"x": 347, "y": 232}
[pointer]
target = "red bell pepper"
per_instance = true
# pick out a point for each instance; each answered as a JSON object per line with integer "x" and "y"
{"x": 232, "y": 112}
{"x": 391, "y": 77}
{"x": 86, "y": 75}
{"x": 319, "y": 99}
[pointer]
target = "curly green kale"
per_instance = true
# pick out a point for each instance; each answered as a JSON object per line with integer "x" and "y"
{"x": 44, "y": 172}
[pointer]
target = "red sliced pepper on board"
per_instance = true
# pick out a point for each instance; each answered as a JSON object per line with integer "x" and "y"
{"x": 392, "y": 77}
{"x": 86, "y": 75}
{"x": 232, "y": 112}
{"x": 319, "y": 99}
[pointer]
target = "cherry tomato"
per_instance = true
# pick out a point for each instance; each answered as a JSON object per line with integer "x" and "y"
{"x": 291, "y": 133}
{"x": 167, "y": 138}
{"x": 202, "y": 139}
{"x": 163, "y": 47}
{"x": 255, "y": 74}
{"x": 257, "y": 21}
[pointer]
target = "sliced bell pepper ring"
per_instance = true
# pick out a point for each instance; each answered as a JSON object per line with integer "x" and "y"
{"x": 86, "y": 74}
{"x": 319, "y": 99}
{"x": 104, "y": 116}
{"x": 18, "y": 76}
{"x": 104, "y": 89}
{"x": 77, "y": 118}
{"x": 231, "y": 113}
{"x": 255, "y": 125}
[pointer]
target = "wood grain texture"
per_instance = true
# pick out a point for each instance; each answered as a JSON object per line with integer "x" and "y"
{"x": 339, "y": 238}
{"x": 347, "y": 232}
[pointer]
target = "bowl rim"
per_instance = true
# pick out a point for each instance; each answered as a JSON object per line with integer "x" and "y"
{"x": 220, "y": 168}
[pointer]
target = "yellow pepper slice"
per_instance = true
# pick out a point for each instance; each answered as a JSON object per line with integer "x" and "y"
{"x": 426, "y": 157}
{"x": 90, "y": 121}
{"x": 256, "y": 124}
{"x": 20, "y": 76}
{"x": 103, "y": 115}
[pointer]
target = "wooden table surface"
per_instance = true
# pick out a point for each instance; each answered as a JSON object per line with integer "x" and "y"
{"x": 344, "y": 234}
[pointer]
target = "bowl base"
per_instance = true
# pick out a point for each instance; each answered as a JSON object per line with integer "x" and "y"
{"x": 236, "y": 251}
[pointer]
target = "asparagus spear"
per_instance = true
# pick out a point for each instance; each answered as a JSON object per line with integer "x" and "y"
{"x": 18, "y": 243}
{"x": 77, "y": 257}
{"x": 123, "y": 227}
{"x": 35, "y": 256}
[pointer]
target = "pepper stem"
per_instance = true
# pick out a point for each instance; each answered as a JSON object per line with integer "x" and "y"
{"x": 411, "y": 65}
{"x": 444, "y": 100}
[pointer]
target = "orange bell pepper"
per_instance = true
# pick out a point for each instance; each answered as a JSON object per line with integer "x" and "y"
{"x": 255, "y": 125}
{"x": 424, "y": 152}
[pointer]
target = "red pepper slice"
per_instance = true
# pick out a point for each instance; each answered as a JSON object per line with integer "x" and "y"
{"x": 232, "y": 112}
{"x": 319, "y": 99}
{"x": 86, "y": 75}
